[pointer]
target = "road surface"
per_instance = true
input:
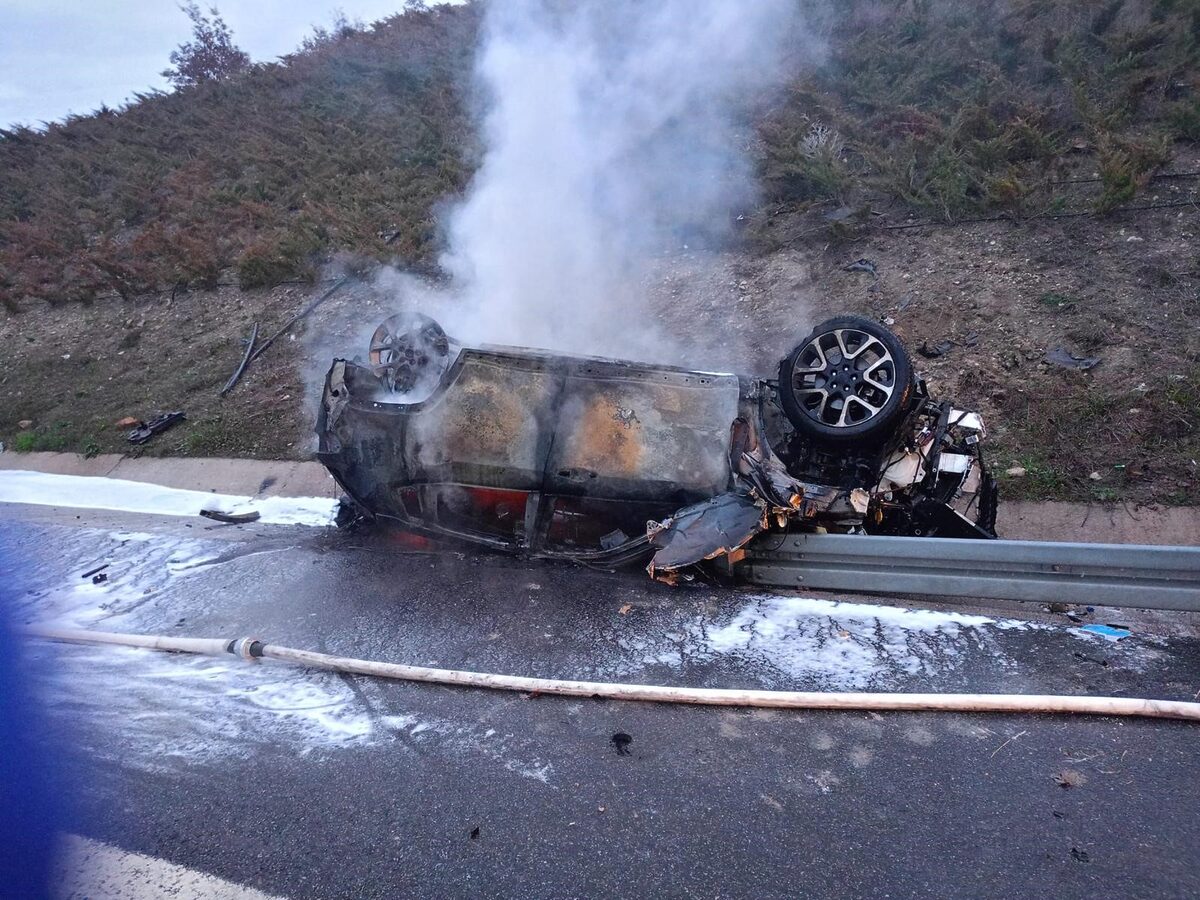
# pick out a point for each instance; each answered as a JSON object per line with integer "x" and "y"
{"x": 310, "y": 784}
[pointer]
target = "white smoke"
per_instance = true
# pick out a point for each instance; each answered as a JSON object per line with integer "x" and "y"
{"x": 616, "y": 131}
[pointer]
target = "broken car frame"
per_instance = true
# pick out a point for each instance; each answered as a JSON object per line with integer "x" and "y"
{"x": 609, "y": 462}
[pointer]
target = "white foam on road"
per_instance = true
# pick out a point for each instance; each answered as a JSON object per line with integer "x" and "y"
{"x": 831, "y": 645}
{"x": 176, "y": 713}
{"x": 844, "y": 645}
{"x": 89, "y": 492}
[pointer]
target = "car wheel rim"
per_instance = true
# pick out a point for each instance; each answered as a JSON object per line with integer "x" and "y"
{"x": 844, "y": 378}
{"x": 408, "y": 348}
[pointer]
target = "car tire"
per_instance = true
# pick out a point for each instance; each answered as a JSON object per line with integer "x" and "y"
{"x": 849, "y": 381}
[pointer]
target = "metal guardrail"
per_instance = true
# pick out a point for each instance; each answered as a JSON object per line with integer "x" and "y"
{"x": 1148, "y": 577}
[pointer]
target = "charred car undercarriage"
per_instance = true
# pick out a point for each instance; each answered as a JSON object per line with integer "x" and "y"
{"x": 608, "y": 462}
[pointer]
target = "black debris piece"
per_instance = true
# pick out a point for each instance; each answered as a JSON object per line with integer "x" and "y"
{"x": 1068, "y": 360}
{"x": 862, "y": 265}
{"x": 1080, "y": 855}
{"x": 475, "y": 833}
{"x": 941, "y": 348}
{"x": 99, "y": 579}
{"x": 90, "y": 572}
{"x": 143, "y": 433}
{"x": 237, "y": 373}
{"x": 230, "y": 518}
{"x": 621, "y": 741}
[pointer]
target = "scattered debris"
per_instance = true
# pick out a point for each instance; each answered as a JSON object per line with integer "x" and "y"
{"x": 99, "y": 579}
{"x": 941, "y": 348}
{"x": 90, "y": 572}
{"x": 613, "y": 539}
{"x": 147, "y": 430}
{"x": 1068, "y": 360}
{"x": 237, "y": 373}
{"x": 1069, "y": 778}
{"x": 253, "y": 353}
{"x": 1080, "y": 855}
{"x": 621, "y": 741}
{"x": 128, "y": 422}
{"x": 862, "y": 265}
{"x": 475, "y": 833}
{"x": 25, "y": 424}
{"x": 1108, "y": 632}
{"x": 624, "y": 610}
{"x": 230, "y": 518}
{"x": 841, "y": 214}
{"x": 1019, "y": 734}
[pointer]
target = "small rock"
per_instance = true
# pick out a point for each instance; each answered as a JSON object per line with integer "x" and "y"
{"x": 1016, "y": 472}
{"x": 25, "y": 424}
{"x": 1095, "y": 476}
{"x": 127, "y": 422}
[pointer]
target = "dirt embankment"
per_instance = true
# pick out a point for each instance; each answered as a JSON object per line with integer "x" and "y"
{"x": 986, "y": 302}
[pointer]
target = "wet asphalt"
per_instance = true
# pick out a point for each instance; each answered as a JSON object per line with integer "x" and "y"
{"x": 513, "y": 795}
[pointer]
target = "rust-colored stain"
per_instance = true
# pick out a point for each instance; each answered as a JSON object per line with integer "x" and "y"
{"x": 606, "y": 439}
{"x": 486, "y": 420}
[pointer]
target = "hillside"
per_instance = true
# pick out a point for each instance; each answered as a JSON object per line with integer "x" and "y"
{"x": 1021, "y": 174}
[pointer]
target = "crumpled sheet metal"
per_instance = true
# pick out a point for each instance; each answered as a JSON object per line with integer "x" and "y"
{"x": 718, "y": 526}
{"x": 725, "y": 524}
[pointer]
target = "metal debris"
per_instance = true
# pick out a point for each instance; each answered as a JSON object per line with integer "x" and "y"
{"x": 1060, "y": 356}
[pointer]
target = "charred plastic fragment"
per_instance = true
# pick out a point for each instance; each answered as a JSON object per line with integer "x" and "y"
{"x": 146, "y": 430}
{"x": 610, "y": 462}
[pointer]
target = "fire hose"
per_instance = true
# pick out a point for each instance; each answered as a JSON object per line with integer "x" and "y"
{"x": 253, "y": 650}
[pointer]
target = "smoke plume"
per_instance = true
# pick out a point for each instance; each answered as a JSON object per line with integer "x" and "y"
{"x": 616, "y": 131}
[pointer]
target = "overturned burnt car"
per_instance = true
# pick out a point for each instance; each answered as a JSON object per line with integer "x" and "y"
{"x": 609, "y": 462}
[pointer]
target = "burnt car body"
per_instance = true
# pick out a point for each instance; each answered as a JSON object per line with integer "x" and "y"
{"x": 606, "y": 461}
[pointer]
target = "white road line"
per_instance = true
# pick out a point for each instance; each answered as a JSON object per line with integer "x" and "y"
{"x": 95, "y": 871}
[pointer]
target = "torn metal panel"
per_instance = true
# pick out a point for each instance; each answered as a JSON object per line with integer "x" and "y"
{"x": 712, "y": 528}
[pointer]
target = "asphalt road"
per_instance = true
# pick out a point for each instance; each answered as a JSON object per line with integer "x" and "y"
{"x": 307, "y": 784}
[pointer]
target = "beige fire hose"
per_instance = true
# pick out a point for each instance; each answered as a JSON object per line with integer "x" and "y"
{"x": 252, "y": 649}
